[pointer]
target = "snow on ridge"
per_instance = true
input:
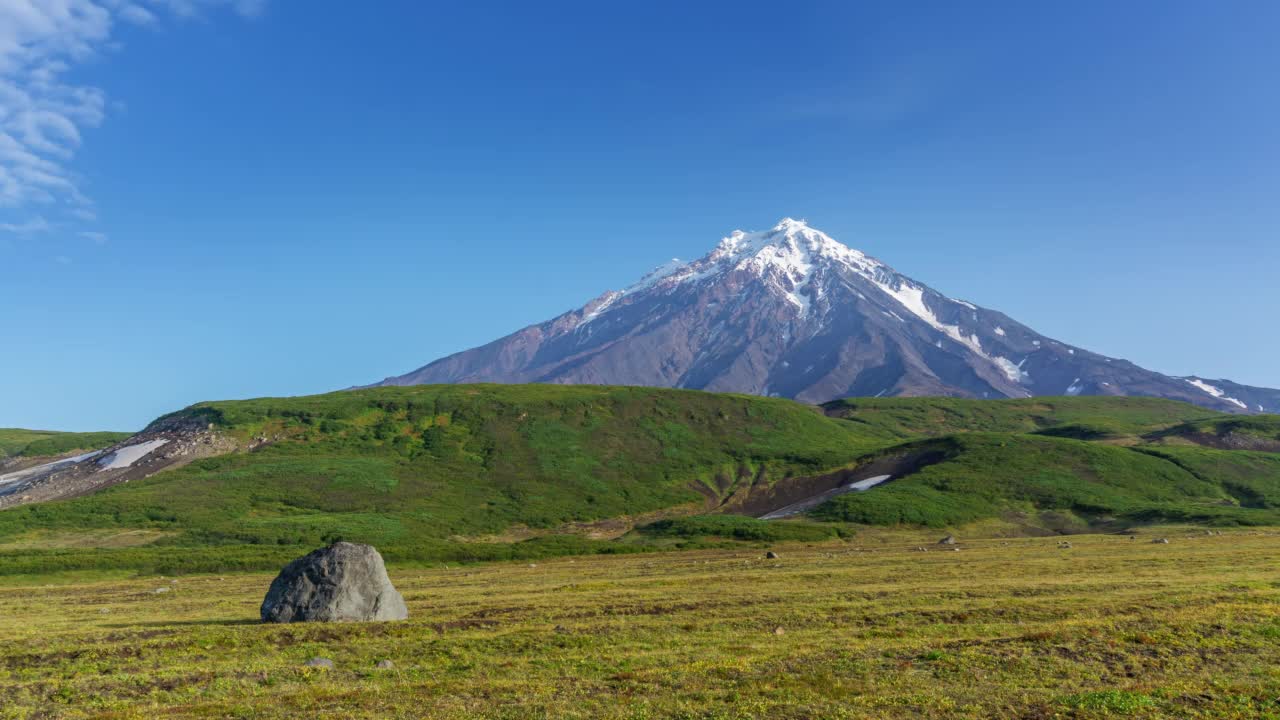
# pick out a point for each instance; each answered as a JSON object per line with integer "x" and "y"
{"x": 1075, "y": 388}
{"x": 1000, "y": 331}
{"x": 609, "y": 299}
{"x": 656, "y": 275}
{"x": 912, "y": 298}
{"x": 1215, "y": 391}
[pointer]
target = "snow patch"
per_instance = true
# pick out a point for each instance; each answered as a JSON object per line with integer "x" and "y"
{"x": 1215, "y": 391}
{"x": 1075, "y": 388}
{"x": 13, "y": 477}
{"x": 912, "y": 298}
{"x": 1012, "y": 371}
{"x": 127, "y": 456}
{"x": 1000, "y": 331}
{"x": 816, "y": 500}
{"x": 868, "y": 483}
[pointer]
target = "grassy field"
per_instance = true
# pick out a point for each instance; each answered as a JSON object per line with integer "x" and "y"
{"x": 866, "y": 627}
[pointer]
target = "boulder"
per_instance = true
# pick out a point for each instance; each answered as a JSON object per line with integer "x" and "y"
{"x": 343, "y": 582}
{"x": 948, "y": 540}
{"x": 771, "y": 555}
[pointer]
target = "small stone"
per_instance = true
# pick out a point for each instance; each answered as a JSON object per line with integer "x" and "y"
{"x": 533, "y": 565}
{"x": 1161, "y": 541}
{"x": 779, "y": 631}
{"x": 385, "y": 665}
{"x": 160, "y": 590}
{"x": 948, "y": 540}
{"x": 955, "y": 549}
{"x": 771, "y": 555}
{"x": 1064, "y": 545}
{"x": 319, "y": 662}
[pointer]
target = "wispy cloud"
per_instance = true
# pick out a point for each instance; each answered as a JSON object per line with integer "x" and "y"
{"x": 27, "y": 227}
{"x": 99, "y": 238}
{"x": 43, "y": 116}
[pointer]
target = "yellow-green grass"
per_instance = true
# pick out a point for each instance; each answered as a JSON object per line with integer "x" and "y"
{"x": 47, "y": 443}
{"x": 870, "y": 628}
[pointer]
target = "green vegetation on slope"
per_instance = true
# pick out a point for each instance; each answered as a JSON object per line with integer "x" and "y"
{"x": 15, "y": 442}
{"x": 933, "y": 417}
{"x": 412, "y": 469}
{"x": 1235, "y": 432}
{"x": 990, "y": 475}
{"x": 475, "y": 472}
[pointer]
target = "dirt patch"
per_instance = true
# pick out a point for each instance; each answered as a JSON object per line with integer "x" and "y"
{"x": 761, "y": 498}
{"x": 180, "y": 446}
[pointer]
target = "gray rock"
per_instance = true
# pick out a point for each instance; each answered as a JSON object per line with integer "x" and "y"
{"x": 1064, "y": 545}
{"x": 948, "y": 540}
{"x": 319, "y": 662}
{"x": 343, "y": 582}
{"x": 771, "y": 555}
{"x": 385, "y": 665}
{"x": 1161, "y": 541}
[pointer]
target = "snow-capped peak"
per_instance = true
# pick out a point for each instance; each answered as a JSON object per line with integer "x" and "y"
{"x": 788, "y": 241}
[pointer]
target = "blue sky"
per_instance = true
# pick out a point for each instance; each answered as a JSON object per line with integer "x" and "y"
{"x": 206, "y": 199}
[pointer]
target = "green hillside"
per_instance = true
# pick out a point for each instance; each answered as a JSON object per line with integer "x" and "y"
{"x": 490, "y": 471}
{"x": 1105, "y": 416}
{"x": 15, "y": 442}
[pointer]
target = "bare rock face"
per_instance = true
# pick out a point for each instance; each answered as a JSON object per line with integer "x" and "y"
{"x": 343, "y": 582}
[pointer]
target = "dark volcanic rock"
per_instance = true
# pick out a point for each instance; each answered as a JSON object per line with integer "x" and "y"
{"x": 792, "y": 312}
{"x": 343, "y": 582}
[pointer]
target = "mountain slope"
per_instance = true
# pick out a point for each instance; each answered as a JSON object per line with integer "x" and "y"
{"x": 473, "y": 471}
{"x": 791, "y": 312}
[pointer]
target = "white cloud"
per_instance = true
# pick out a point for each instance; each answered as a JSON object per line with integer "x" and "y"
{"x": 98, "y": 238}
{"x": 137, "y": 14}
{"x": 27, "y": 227}
{"x": 43, "y": 115}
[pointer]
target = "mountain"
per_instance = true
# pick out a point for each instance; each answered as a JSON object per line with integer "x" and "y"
{"x": 791, "y": 312}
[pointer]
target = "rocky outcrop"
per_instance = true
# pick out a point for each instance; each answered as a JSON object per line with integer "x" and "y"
{"x": 343, "y": 582}
{"x": 162, "y": 446}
